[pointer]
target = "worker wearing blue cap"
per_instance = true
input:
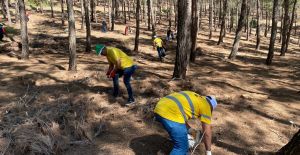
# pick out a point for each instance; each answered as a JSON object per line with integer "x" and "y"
{"x": 119, "y": 64}
{"x": 174, "y": 111}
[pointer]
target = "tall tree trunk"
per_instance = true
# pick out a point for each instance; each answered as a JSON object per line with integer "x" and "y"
{"x": 273, "y": 33}
{"x": 184, "y": 38}
{"x": 231, "y": 21}
{"x": 290, "y": 28}
{"x": 125, "y": 18}
{"x": 200, "y": 12}
{"x": 92, "y": 10}
{"x": 210, "y": 18}
{"x": 195, "y": 16}
{"x": 238, "y": 34}
{"x": 8, "y": 12}
{"x": 109, "y": 12}
{"x": 149, "y": 14}
{"x": 88, "y": 25}
{"x": 17, "y": 11}
{"x": 153, "y": 17}
{"x": 137, "y": 32}
{"x": 222, "y": 31}
{"x": 51, "y": 5}
{"x": 220, "y": 13}
{"x": 266, "y": 29}
{"x": 129, "y": 10}
{"x": 3, "y": 9}
{"x": 176, "y": 13}
{"x": 72, "y": 37}
{"x": 258, "y": 13}
{"x": 82, "y": 14}
{"x": 247, "y": 24}
{"x": 113, "y": 11}
{"x": 286, "y": 24}
{"x": 281, "y": 25}
{"x": 24, "y": 33}
{"x": 292, "y": 147}
{"x": 62, "y": 13}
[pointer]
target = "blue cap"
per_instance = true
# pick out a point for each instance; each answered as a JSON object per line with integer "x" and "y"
{"x": 212, "y": 101}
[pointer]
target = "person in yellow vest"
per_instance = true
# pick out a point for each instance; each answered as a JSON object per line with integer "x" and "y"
{"x": 119, "y": 64}
{"x": 158, "y": 44}
{"x": 173, "y": 112}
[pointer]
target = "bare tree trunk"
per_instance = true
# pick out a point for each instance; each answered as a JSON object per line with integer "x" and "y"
{"x": 222, "y": 31}
{"x": 62, "y": 13}
{"x": 82, "y": 14}
{"x": 129, "y": 10}
{"x": 273, "y": 33}
{"x": 137, "y": 32}
{"x": 238, "y": 35}
{"x": 8, "y": 12}
{"x": 258, "y": 13}
{"x": 281, "y": 25}
{"x": 210, "y": 18}
{"x": 220, "y": 13}
{"x": 72, "y": 37}
{"x": 266, "y": 29}
{"x": 290, "y": 28}
{"x": 184, "y": 38}
{"x": 247, "y": 24}
{"x": 3, "y": 9}
{"x": 17, "y": 11}
{"x": 149, "y": 14}
{"x": 24, "y": 33}
{"x": 286, "y": 24}
{"x": 88, "y": 25}
{"x": 125, "y": 18}
{"x": 153, "y": 17}
{"x": 51, "y": 5}
{"x": 113, "y": 11}
{"x": 92, "y": 10}
{"x": 231, "y": 21}
{"x": 109, "y": 12}
{"x": 194, "y": 29}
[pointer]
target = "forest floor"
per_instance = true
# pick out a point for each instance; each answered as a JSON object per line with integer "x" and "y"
{"x": 43, "y": 106}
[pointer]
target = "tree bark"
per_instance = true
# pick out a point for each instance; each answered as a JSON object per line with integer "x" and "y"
{"x": 222, "y": 31}
{"x": 247, "y": 24}
{"x": 149, "y": 14}
{"x": 258, "y": 13}
{"x": 194, "y": 29}
{"x": 273, "y": 33}
{"x": 281, "y": 25}
{"x": 62, "y": 13}
{"x": 238, "y": 34}
{"x": 92, "y": 10}
{"x": 88, "y": 25}
{"x": 113, "y": 11}
{"x": 137, "y": 32}
{"x": 3, "y": 9}
{"x": 24, "y": 33}
{"x": 125, "y": 18}
{"x": 292, "y": 147}
{"x": 267, "y": 24}
{"x": 82, "y": 14}
{"x": 72, "y": 37}
{"x": 8, "y": 12}
{"x": 286, "y": 24}
{"x": 109, "y": 12}
{"x": 17, "y": 11}
{"x": 210, "y": 18}
{"x": 184, "y": 39}
{"x": 51, "y": 5}
{"x": 290, "y": 28}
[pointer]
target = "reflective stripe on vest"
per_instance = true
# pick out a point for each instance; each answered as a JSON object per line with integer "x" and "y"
{"x": 190, "y": 103}
{"x": 180, "y": 105}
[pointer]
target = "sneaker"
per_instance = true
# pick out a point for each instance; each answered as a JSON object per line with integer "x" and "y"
{"x": 130, "y": 102}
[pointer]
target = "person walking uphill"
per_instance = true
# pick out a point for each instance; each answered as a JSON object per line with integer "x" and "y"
{"x": 173, "y": 112}
{"x": 158, "y": 43}
{"x": 119, "y": 64}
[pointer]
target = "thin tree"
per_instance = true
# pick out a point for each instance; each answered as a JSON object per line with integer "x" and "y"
{"x": 8, "y": 12}
{"x": 88, "y": 26}
{"x": 238, "y": 34}
{"x": 184, "y": 38}
{"x": 223, "y": 23}
{"x": 290, "y": 29}
{"x": 24, "y": 33}
{"x": 210, "y": 18}
{"x": 72, "y": 37}
{"x": 62, "y": 13}
{"x": 51, "y": 6}
{"x": 149, "y": 14}
{"x": 273, "y": 33}
{"x": 137, "y": 32}
{"x": 195, "y": 20}
{"x": 82, "y": 14}
{"x": 3, "y": 9}
{"x": 258, "y": 13}
{"x": 286, "y": 23}
{"x": 113, "y": 11}
{"x": 17, "y": 11}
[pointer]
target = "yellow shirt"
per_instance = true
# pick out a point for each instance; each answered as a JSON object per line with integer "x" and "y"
{"x": 158, "y": 42}
{"x": 114, "y": 54}
{"x": 167, "y": 108}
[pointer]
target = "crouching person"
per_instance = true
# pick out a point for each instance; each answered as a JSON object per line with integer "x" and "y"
{"x": 173, "y": 112}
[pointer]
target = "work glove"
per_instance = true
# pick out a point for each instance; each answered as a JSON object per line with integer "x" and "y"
{"x": 208, "y": 153}
{"x": 112, "y": 74}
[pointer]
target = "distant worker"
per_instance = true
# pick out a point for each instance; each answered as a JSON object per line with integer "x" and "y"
{"x": 104, "y": 26}
{"x": 158, "y": 44}
{"x": 170, "y": 35}
{"x": 174, "y": 111}
{"x": 2, "y": 32}
{"x": 127, "y": 30}
{"x": 119, "y": 64}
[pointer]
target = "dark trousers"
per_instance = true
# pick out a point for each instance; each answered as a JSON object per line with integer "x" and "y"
{"x": 127, "y": 72}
